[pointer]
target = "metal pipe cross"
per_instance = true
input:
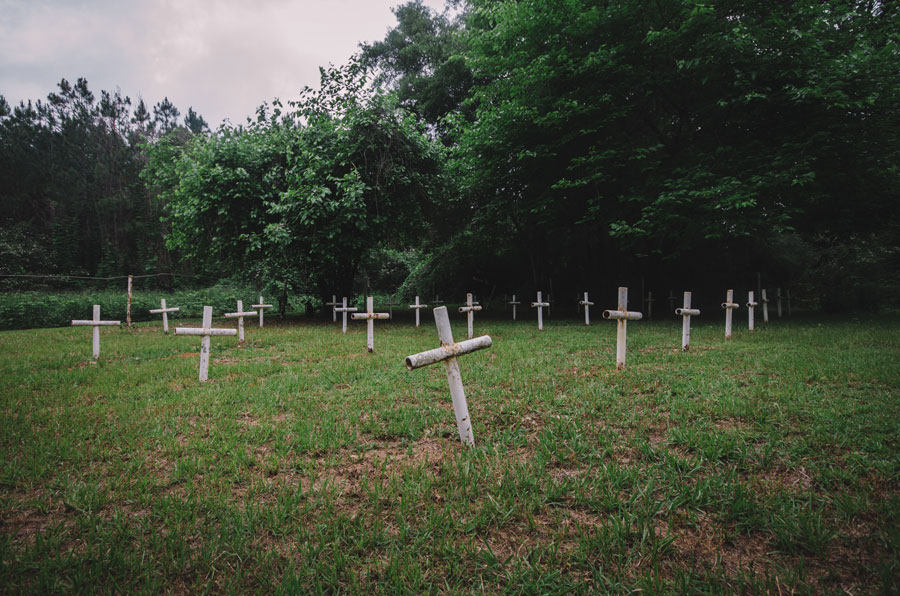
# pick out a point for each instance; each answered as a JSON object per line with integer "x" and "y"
{"x": 621, "y": 316}
{"x": 369, "y": 317}
{"x": 205, "y": 331}
{"x": 96, "y": 323}
{"x": 686, "y": 312}
{"x": 164, "y": 312}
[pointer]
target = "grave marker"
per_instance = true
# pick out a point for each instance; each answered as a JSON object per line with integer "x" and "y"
{"x": 417, "y": 308}
{"x": 587, "y": 308}
{"x": 165, "y": 313}
{"x": 621, "y": 316}
{"x": 96, "y": 323}
{"x": 686, "y": 312}
{"x": 343, "y": 309}
{"x": 514, "y": 303}
{"x": 239, "y": 315}
{"x": 778, "y": 301}
{"x": 540, "y": 305}
{"x": 334, "y": 303}
{"x": 751, "y": 304}
{"x": 369, "y": 317}
{"x": 260, "y": 308}
{"x": 729, "y": 305}
{"x": 649, "y": 302}
{"x": 765, "y": 305}
{"x": 470, "y": 308}
{"x": 205, "y": 331}
{"x": 448, "y": 354}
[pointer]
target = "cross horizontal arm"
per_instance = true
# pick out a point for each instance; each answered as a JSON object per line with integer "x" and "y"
{"x": 375, "y": 315}
{"x": 751, "y": 304}
{"x": 583, "y": 303}
{"x": 348, "y": 309}
{"x": 234, "y": 315}
{"x": 203, "y": 331}
{"x": 627, "y": 315}
{"x": 730, "y": 305}
{"x": 536, "y": 304}
{"x": 418, "y": 306}
{"x": 692, "y": 312}
{"x": 444, "y": 352}
{"x": 80, "y": 323}
{"x": 262, "y": 306}
{"x": 468, "y": 308}
{"x": 157, "y": 311}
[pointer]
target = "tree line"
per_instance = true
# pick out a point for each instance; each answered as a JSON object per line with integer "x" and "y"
{"x": 507, "y": 144}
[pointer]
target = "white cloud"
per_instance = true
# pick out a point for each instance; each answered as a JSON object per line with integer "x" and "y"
{"x": 223, "y": 58}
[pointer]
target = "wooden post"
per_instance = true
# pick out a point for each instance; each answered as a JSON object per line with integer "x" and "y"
{"x": 417, "y": 307}
{"x": 128, "y": 309}
{"x": 239, "y": 315}
{"x": 334, "y": 303}
{"x": 343, "y": 309}
{"x": 96, "y": 323}
{"x": 686, "y": 312}
{"x": 729, "y": 305}
{"x": 649, "y": 301}
{"x": 448, "y": 353}
{"x": 751, "y": 304}
{"x": 260, "y": 307}
{"x": 165, "y": 313}
{"x": 369, "y": 316}
{"x": 778, "y": 301}
{"x": 514, "y": 303}
{"x": 587, "y": 308}
{"x": 765, "y": 305}
{"x": 205, "y": 332}
{"x": 540, "y": 305}
{"x": 470, "y": 308}
{"x": 621, "y": 316}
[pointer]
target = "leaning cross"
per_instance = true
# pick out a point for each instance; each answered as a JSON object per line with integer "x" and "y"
{"x": 260, "y": 308}
{"x": 239, "y": 315}
{"x": 587, "y": 308}
{"x": 417, "y": 307}
{"x": 540, "y": 305}
{"x": 448, "y": 353}
{"x": 96, "y": 323}
{"x": 369, "y": 316}
{"x": 621, "y": 316}
{"x": 164, "y": 312}
{"x": 686, "y": 312}
{"x": 332, "y": 304}
{"x": 750, "y": 306}
{"x": 470, "y": 308}
{"x": 729, "y": 305}
{"x": 765, "y": 304}
{"x": 205, "y": 331}
{"x": 514, "y": 303}
{"x": 343, "y": 309}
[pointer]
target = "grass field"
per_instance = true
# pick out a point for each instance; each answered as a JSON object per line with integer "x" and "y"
{"x": 769, "y": 463}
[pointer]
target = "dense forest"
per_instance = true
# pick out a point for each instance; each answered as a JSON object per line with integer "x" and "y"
{"x": 501, "y": 146}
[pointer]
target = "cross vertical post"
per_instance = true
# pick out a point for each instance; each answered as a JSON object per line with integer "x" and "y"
{"x": 514, "y": 303}
{"x": 470, "y": 309}
{"x": 96, "y": 323}
{"x": 649, "y": 301}
{"x": 369, "y": 316}
{"x": 417, "y": 307}
{"x": 765, "y": 305}
{"x": 686, "y": 312}
{"x": 448, "y": 354}
{"x": 729, "y": 305}
{"x": 344, "y": 309}
{"x": 239, "y": 315}
{"x": 260, "y": 308}
{"x": 778, "y": 301}
{"x": 540, "y": 305}
{"x": 205, "y": 332}
{"x": 621, "y": 316}
{"x": 587, "y": 308}
{"x": 332, "y": 304}
{"x": 165, "y": 313}
{"x": 751, "y": 304}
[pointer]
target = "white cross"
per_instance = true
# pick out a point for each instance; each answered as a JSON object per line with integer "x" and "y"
{"x": 370, "y": 317}
{"x": 343, "y": 309}
{"x": 621, "y": 316}
{"x": 96, "y": 323}
{"x": 729, "y": 305}
{"x": 649, "y": 301}
{"x": 164, "y": 312}
{"x": 239, "y": 315}
{"x": 417, "y": 307}
{"x": 205, "y": 331}
{"x": 587, "y": 308}
{"x": 391, "y": 306}
{"x": 470, "y": 308}
{"x": 765, "y": 304}
{"x": 686, "y": 312}
{"x": 448, "y": 353}
{"x": 540, "y": 305}
{"x": 778, "y": 301}
{"x": 750, "y": 306}
{"x": 514, "y": 303}
{"x": 332, "y": 304}
{"x": 260, "y": 308}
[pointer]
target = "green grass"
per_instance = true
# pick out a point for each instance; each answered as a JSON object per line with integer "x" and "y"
{"x": 767, "y": 463}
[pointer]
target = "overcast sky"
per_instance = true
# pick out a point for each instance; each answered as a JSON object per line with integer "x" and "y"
{"x": 223, "y": 57}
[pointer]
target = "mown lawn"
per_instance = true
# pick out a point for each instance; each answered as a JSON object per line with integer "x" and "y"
{"x": 767, "y": 463}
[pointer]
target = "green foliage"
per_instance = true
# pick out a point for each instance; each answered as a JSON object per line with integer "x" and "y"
{"x": 26, "y": 310}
